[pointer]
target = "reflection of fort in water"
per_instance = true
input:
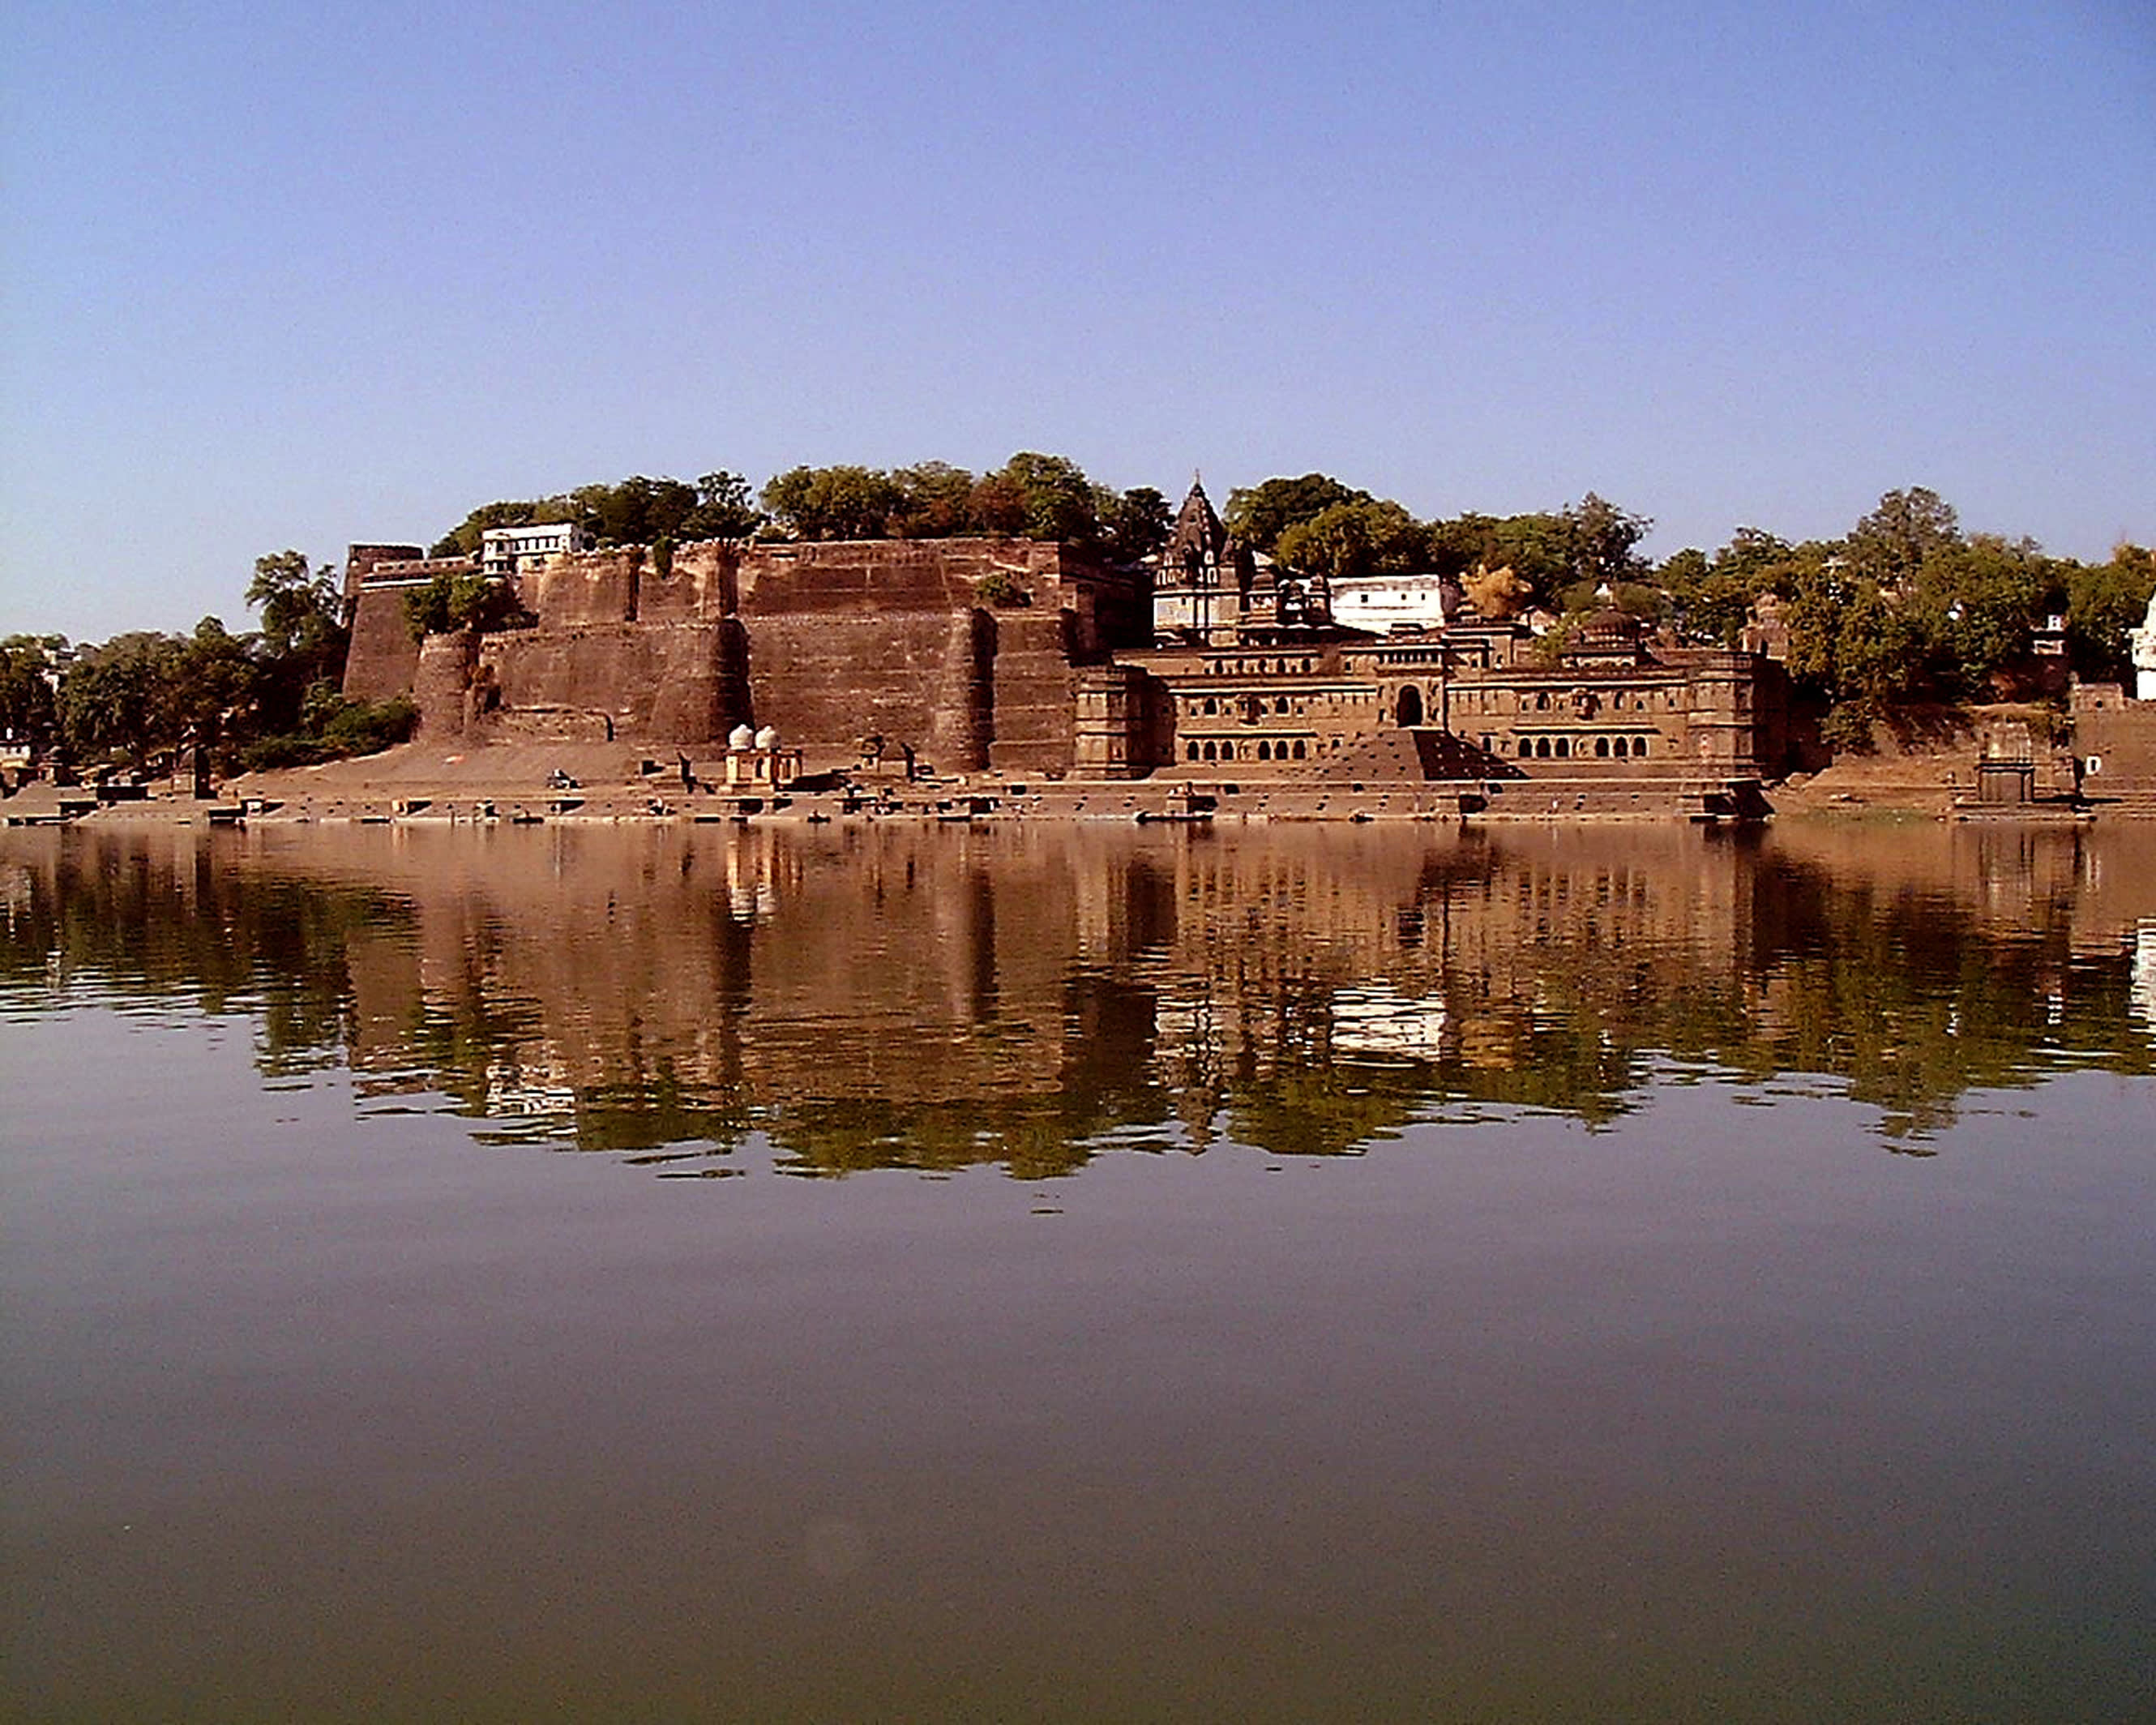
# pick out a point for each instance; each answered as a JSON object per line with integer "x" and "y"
{"x": 878, "y": 994}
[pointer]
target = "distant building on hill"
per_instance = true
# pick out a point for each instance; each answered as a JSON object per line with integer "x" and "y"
{"x": 516, "y": 550}
{"x": 1386, "y": 603}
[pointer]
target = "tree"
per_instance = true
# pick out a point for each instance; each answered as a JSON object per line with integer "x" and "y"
{"x": 2105, "y": 604}
{"x": 218, "y": 683}
{"x": 838, "y": 502}
{"x": 724, "y": 509}
{"x": 637, "y": 511}
{"x": 1713, "y": 598}
{"x": 1976, "y": 603}
{"x": 1134, "y": 523}
{"x": 29, "y": 709}
{"x": 1041, "y": 497}
{"x": 934, "y": 502}
{"x": 464, "y": 540}
{"x": 303, "y": 639}
{"x": 299, "y": 609}
{"x": 1496, "y": 593}
{"x": 1260, "y": 514}
{"x": 996, "y": 504}
{"x": 1360, "y": 537}
{"x": 1891, "y": 543}
{"x": 123, "y": 697}
{"x": 1601, "y": 540}
{"x": 466, "y": 600}
{"x": 1534, "y": 550}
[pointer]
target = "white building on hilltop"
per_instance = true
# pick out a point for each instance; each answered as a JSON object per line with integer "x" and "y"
{"x": 511, "y": 551}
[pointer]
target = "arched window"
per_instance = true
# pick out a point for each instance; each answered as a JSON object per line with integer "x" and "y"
{"x": 1541, "y": 748}
{"x": 1563, "y": 748}
{"x": 1281, "y": 705}
{"x": 1265, "y": 750}
{"x": 1639, "y": 745}
{"x": 1541, "y": 703}
{"x": 1409, "y": 707}
{"x": 1227, "y": 751}
{"x": 1211, "y": 705}
{"x": 1299, "y": 749}
{"x": 1621, "y": 749}
{"x": 1209, "y": 754}
{"x": 1191, "y": 751}
{"x": 1601, "y": 748}
{"x": 1526, "y": 748}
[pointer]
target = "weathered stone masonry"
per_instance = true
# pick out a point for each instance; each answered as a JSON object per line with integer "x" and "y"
{"x": 967, "y": 650}
{"x": 1021, "y": 658}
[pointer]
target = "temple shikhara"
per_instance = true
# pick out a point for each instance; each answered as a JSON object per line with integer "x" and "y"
{"x": 1016, "y": 657}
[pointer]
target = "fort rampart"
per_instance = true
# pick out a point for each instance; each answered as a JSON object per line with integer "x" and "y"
{"x": 965, "y": 650}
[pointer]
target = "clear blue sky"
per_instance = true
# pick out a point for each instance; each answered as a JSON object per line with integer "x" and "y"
{"x": 296, "y": 276}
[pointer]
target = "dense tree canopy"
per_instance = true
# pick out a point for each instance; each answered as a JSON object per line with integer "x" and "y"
{"x": 838, "y": 502}
{"x": 1358, "y": 537}
{"x": 123, "y": 697}
{"x": 1030, "y": 496}
{"x": 1907, "y": 607}
{"x": 29, "y": 710}
{"x": 1134, "y": 524}
{"x": 2104, "y": 603}
{"x": 303, "y": 637}
{"x": 934, "y": 502}
{"x": 1259, "y": 515}
{"x": 637, "y": 511}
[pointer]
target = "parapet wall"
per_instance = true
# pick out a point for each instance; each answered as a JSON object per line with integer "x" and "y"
{"x": 875, "y": 576}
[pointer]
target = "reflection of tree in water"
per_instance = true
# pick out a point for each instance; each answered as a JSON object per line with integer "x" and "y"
{"x": 1028, "y": 998}
{"x": 1901, "y": 993}
{"x": 134, "y": 923}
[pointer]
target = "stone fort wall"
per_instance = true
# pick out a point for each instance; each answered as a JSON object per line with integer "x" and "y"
{"x": 966, "y": 649}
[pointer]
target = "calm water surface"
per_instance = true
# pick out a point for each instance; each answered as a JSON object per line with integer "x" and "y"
{"x": 889, "y": 1273}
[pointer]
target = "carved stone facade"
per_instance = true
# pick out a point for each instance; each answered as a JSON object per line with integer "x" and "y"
{"x": 1480, "y": 700}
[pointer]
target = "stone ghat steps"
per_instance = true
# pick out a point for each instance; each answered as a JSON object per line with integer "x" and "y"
{"x": 1438, "y": 757}
{"x": 2138, "y": 802}
{"x": 1692, "y": 797}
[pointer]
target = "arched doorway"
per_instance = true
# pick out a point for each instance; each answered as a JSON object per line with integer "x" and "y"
{"x": 1407, "y": 706}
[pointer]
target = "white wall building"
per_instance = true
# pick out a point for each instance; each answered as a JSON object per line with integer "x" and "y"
{"x": 2144, "y": 655}
{"x": 511, "y": 551}
{"x": 1383, "y": 603}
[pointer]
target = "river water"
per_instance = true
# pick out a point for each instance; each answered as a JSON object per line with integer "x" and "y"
{"x": 890, "y": 1272}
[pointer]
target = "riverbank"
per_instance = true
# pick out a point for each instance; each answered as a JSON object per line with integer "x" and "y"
{"x": 536, "y": 781}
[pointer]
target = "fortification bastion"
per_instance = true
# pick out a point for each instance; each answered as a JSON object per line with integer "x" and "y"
{"x": 967, "y": 649}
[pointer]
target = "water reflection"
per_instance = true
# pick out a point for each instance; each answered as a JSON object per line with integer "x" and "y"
{"x": 891, "y": 996}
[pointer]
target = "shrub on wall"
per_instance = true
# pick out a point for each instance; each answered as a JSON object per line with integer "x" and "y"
{"x": 1004, "y": 591}
{"x": 466, "y": 601}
